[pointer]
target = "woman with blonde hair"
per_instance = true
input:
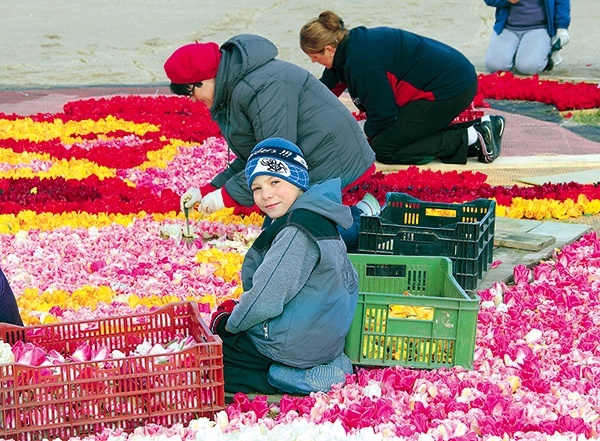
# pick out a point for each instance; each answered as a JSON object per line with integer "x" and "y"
{"x": 410, "y": 87}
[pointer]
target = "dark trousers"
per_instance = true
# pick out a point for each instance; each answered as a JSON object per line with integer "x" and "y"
{"x": 423, "y": 132}
{"x": 245, "y": 368}
{"x": 9, "y": 311}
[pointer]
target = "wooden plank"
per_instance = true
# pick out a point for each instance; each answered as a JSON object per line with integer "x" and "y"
{"x": 529, "y": 242}
{"x": 580, "y": 177}
{"x": 507, "y": 258}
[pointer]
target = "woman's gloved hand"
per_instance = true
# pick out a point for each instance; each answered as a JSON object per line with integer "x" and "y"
{"x": 212, "y": 202}
{"x": 190, "y": 198}
{"x": 219, "y": 318}
{"x": 562, "y": 35}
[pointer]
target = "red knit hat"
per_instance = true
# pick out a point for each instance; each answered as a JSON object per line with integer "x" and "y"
{"x": 193, "y": 63}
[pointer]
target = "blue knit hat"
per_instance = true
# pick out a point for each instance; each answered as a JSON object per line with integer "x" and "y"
{"x": 278, "y": 157}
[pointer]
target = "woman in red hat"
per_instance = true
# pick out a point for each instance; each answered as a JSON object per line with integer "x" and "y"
{"x": 253, "y": 96}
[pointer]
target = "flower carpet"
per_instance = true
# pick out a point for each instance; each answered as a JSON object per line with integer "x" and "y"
{"x": 90, "y": 227}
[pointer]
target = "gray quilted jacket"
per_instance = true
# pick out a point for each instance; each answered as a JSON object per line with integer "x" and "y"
{"x": 258, "y": 97}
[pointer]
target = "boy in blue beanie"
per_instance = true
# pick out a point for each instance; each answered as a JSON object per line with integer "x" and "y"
{"x": 287, "y": 332}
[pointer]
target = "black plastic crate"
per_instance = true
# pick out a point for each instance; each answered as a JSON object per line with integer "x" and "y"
{"x": 408, "y": 226}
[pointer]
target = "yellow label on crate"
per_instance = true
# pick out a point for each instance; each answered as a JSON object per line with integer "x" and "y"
{"x": 410, "y": 312}
{"x": 440, "y": 212}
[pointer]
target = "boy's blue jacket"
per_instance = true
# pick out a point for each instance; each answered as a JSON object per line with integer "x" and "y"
{"x": 300, "y": 288}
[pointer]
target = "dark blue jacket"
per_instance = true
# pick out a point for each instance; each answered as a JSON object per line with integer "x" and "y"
{"x": 558, "y": 13}
{"x": 386, "y": 68}
{"x": 9, "y": 310}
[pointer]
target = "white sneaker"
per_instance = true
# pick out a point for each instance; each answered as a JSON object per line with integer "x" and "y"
{"x": 369, "y": 205}
{"x": 557, "y": 58}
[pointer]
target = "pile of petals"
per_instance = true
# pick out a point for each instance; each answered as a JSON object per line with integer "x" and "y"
{"x": 30, "y": 354}
{"x": 549, "y": 201}
{"x": 90, "y": 227}
{"x": 563, "y": 95}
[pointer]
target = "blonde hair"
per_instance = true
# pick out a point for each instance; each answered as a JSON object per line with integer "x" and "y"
{"x": 325, "y": 30}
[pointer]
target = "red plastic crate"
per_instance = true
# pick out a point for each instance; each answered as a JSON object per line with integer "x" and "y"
{"x": 81, "y": 398}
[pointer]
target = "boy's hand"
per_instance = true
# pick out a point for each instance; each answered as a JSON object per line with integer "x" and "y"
{"x": 219, "y": 318}
{"x": 227, "y": 305}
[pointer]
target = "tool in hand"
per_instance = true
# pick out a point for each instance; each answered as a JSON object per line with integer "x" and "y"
{"x": 186, "y": 212}
{"x": 187, "y": 236}
{"x": 554, "y": 59}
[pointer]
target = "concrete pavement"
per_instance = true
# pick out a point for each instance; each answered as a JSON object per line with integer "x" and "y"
{"x": 51, "y": 43}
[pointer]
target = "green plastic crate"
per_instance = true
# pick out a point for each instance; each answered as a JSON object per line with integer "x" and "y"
{"x": 392, "y": 286}
{"x": 411, "y": 227}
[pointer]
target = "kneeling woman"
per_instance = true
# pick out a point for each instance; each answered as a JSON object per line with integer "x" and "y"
{"x": 410, "y": 87}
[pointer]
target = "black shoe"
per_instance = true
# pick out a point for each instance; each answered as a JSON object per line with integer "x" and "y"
{"x": 487, "y": 146}
{"x": 498, "y": 124}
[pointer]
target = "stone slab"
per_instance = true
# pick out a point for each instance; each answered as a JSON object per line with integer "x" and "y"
{"x": 530, "y": 241}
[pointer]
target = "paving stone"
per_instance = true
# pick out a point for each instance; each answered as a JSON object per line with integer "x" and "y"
{"x": 530, "y": 242}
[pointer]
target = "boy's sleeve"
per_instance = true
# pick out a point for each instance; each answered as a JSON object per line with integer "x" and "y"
{"x": 284, "y": 271}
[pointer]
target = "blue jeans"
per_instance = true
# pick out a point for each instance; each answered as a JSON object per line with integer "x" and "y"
{"x": 524, "y": 51}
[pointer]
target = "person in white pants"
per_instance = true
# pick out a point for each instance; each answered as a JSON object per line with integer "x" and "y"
{"x": 527, "y": 35}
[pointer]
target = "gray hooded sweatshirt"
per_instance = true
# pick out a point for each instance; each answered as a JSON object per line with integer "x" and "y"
{"x": 300, "y": 288}
{"x": 258, "y": 97}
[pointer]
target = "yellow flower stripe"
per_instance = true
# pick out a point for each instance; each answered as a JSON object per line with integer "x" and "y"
{"x": 539, "y": 209}
{"x": 26, "y": 128}
{"x": 9, "y": 156}
{"x": 227, "y": 264}
{"x": 29, "y": 220}
{"x": 35, "y": 306}
{"x": 68, "y": 169}
{"x": 226, "y": 216}
{"x": 545, "y": 209}
{"x": 161, "y": 158}
{"x": 82, "y": 168}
